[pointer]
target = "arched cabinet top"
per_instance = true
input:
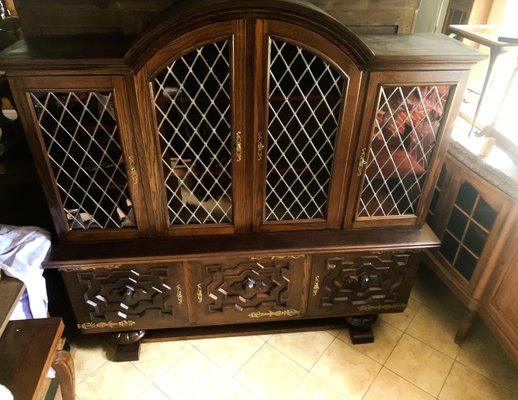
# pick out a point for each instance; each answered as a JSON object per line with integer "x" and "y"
{"x": 186, "y": 16}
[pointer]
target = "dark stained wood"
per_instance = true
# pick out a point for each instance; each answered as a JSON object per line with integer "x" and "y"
{"x": 456, "y": 80}
{"x": 28, "y": 348}
{"x": 278, "y": 243}
{"x": 186, "y": 16}
{"x": 46, "y": 17}
{"x": 11, "y": 289}
{"x": 88, "y": 54}
{"x": 157, "y": 276}
{"x": 258, "y": 328}
{"x": 419, "y": 51}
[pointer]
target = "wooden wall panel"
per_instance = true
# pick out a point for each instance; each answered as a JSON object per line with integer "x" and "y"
{"x": 51, "y": 17}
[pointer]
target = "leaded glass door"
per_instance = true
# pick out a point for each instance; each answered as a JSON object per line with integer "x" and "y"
{"x": 85, "y": 156}
{"x": 406, "y": 133}
{"x": 310, "y": 92}
{"x": 197, "y": 103}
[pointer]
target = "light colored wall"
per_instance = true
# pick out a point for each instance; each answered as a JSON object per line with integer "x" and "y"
{"x": 430, "y": 16}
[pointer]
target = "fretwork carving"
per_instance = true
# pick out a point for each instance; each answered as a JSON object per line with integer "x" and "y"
{"x": 126, "y": 294}
{"x": 363, "y": 280}
{"x": 248, "y": 286}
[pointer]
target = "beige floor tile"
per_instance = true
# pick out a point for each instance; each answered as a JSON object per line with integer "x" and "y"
{"x": 420, "y": 364}
{"x": 233, "y": 390}
{"x": 305, "y": 348}
{"x": 264, "y": 337}
{"x": 466, "y": 384}
{"x": 432, "y": 292}
{"x": 89, "y": 355}
{"x": 389, "y": 386}
{"x": 385, "y": 339}
{"x": 269, "y": 374}
{"x": 401, "y": 320}
{"x": 313, "y": 388}
{"x": 481, "y": 352}
{"x": 230, "y": 353}
{"x": 157, "y": 357}
{"x": 193, "y": 377}
{"x": 153, "y": 393}
{"x": 346, "y": 369}
{"x": 437, "y": 329}
{"x": 113, "y": 381}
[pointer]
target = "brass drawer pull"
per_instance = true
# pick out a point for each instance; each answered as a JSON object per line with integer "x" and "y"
{"x": 362, "y": 162}
{"x": 239, "y": 147}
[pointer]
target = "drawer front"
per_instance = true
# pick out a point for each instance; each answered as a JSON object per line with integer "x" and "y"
{"x": 361, "y": 283}
{"x": 248, "y": 290}
{"x": 128, "y": 297}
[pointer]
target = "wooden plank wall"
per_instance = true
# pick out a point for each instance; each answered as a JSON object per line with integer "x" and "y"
{"x": 51, "y": 17}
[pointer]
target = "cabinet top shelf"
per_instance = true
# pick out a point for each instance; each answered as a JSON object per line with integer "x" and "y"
{"x": 98, "y": 53}
{"x": 278, "y": 243}
{"x": 103, "y": 52}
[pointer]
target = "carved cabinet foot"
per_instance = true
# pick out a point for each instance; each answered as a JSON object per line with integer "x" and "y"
{"x": 360, "y": 328}
{"x": 127, "y": 345}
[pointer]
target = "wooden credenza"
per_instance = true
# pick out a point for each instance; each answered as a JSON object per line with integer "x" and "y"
{"x": 240, "y": 161}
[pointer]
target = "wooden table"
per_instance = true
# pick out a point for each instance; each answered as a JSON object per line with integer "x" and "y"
{"x": 486, "y": 35}
{"x": 11, "y": 289}
{"x": 28, "y": 348}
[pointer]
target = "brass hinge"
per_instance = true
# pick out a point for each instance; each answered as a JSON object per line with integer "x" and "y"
{"x": 239, "y": 147}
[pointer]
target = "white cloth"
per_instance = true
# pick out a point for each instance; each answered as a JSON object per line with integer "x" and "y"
{"x": 22, "y": 250}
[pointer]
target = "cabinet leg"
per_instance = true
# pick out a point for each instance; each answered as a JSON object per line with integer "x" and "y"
{"x": 360, "y": 328}
{"x": 127, "y": 345}
{"x": 465, "y": 325}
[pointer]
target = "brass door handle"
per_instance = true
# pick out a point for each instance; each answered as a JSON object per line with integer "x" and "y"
{"x": 239, "y": 147}
{"x": 133, "y": 170}
{"x": 362, "y": 162}
{"x": 260, "y": 146}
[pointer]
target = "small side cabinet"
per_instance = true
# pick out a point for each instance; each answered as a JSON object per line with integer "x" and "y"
{"x": 475, "y": 221}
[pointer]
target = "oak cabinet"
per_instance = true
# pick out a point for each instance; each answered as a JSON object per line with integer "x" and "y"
{"x": 232, "y": 154}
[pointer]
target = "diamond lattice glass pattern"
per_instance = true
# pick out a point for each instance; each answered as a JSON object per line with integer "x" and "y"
{"x": 82, "y": 140}
{"x": 405, "y": 132}
{"x": 192, "y": 102}
{"x": 304, "y": 108}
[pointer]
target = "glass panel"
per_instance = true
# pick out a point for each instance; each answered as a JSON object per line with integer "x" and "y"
{"x": 457, "y": 223}
{"x": 484, "y": 214}
{"x": 405, "y": 132}
{"x": 192, "y": 102}
{"x": 475, "y": 239}
{"x": 466, "y": 263}
{"x": 449, "y": 247}
{"x": 304, "y": 108}
{"x": 466, "y": 197}
{"x": 82, "y": 140}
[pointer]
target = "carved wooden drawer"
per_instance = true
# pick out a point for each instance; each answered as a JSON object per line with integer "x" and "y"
{"x": 248, "y": 289}
{"x": 127, "y": 297}
{"x": 361, "y": 283}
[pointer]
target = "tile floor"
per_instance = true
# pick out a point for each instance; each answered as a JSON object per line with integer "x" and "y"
{"x": 414, "y": 357}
